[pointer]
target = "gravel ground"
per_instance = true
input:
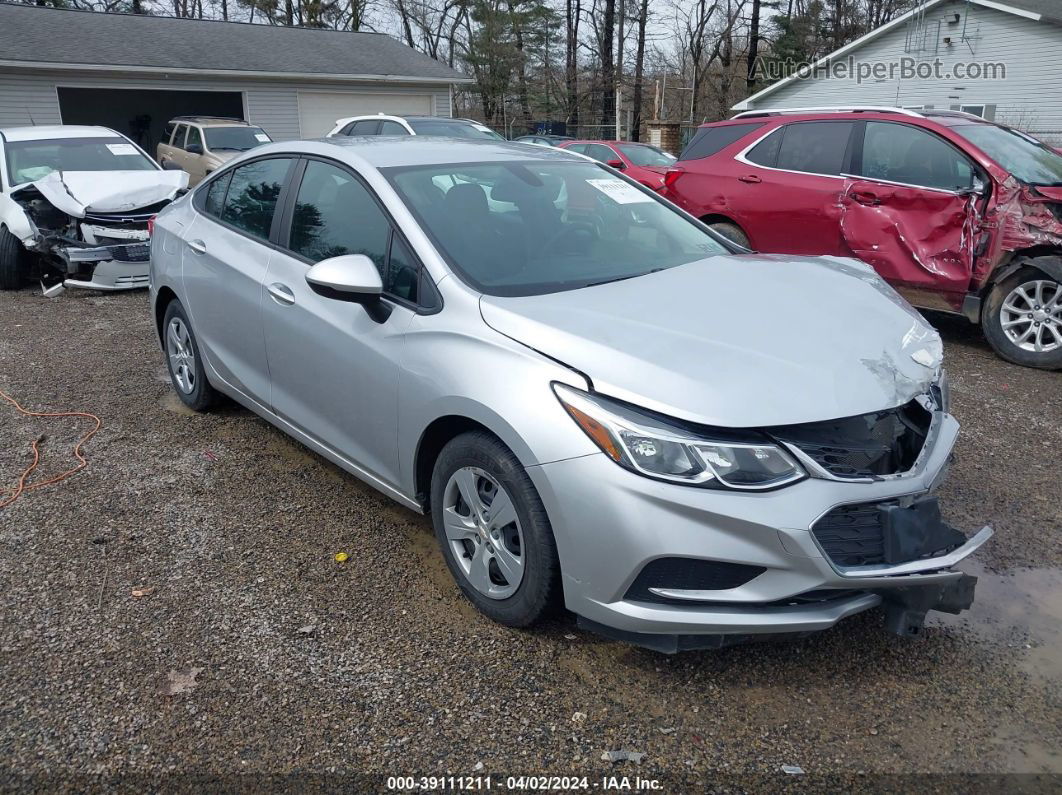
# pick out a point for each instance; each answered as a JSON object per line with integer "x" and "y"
{"x": 257, "y": 655}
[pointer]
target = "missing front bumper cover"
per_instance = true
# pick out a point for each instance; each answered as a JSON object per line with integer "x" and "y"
{"x": 906, "y": 608}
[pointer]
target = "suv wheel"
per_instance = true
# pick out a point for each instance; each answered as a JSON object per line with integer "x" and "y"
{"x": 13, "y": 261}
{"x": 731, "y": 232}
{"x": 493, "y": 530}
{"x": 187, "y": 373}
{"x": 1022, "y": 319}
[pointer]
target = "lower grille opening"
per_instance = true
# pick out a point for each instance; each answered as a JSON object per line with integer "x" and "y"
{"x": 852, "y": 535}
{"x": 881, "y": 443}
{"x": 692, "y": 574}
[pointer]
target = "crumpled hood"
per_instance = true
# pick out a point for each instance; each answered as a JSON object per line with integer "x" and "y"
{"x": 737, "y": 341}
{"x": 78, "y": 192}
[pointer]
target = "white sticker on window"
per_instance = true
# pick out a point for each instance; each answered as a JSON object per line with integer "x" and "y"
{"x": 261, "y": 137}
{"x": 619, "y": 191}
{"x": 123, "y": 149}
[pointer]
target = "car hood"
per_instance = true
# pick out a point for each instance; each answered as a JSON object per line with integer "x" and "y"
{"x": 736, "y": 341}
{"x": 78, "y": 192}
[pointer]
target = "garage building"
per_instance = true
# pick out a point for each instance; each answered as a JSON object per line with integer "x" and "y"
{"x": 134, "y": 73}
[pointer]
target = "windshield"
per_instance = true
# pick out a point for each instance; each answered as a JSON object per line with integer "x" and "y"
{"x": 529, "y": 228}
{"x": 28, "y": 161}
{"x": 645, "y": 155}
{"x": 1021, "y": 155}
{"x": 238, "y": 139}
{"x": 453, "y": 129}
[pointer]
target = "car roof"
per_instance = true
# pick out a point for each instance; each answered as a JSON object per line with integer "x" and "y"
{"x": 390, "y": 151}
{"x": 210, "y": 121}
{"x": 51, "y": 131}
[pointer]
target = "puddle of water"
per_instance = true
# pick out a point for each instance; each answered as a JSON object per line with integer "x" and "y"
{"x": 1019, "y": 608}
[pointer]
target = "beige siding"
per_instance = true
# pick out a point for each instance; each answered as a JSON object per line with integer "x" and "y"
{"x": 1030, "y": 97}
{"x": 29, "y": 97}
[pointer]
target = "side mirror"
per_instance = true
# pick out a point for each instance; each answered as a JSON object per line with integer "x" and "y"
{"x": 194, "y": 149}
{"x": 350, "y": 277}
{"x": 171, "y": 165}
{"x": 617, "y": 164}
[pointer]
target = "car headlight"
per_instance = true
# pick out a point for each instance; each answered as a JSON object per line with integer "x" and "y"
{"x": 654, "y": 447}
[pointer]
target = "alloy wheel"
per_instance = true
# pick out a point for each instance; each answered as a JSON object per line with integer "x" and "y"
{"x": 483, "y": 532}
{"x": 181, "y": 354}
{"x": 1031, "y": 316}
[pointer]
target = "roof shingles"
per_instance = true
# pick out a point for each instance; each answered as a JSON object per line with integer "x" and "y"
{"x": 37, "y": 35}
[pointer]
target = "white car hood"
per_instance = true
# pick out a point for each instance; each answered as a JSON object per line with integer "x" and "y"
{"x": 78, "y": 192}
{"x": 737, "y": 341}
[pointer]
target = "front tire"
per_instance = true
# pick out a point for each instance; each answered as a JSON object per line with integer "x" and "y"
{"x": 493, "y": 530}
{"x": 1022, "y": 319}
{"x": 183, "y": 360}
{"x": 14, "y": 268}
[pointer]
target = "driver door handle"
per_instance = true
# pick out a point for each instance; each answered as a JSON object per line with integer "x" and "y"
{"x": 752, "y": 179}
{"x": 198, "y": 246}
{"x": 866, "y": 198}
{"x": 281, "y": 293}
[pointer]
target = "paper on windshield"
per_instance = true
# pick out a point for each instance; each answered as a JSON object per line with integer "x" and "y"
{"x": 123, "y": 149}
{"x": 261, "y": 137}
{"x": 619, "y": 191}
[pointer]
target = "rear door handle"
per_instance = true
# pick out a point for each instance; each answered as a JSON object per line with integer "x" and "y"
{"x": 750, "y": 178}
{"x": 281, "y": 293}
{"x": 198, "y": 246}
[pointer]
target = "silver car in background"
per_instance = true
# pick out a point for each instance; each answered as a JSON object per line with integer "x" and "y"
{"x": 598, "y": 401}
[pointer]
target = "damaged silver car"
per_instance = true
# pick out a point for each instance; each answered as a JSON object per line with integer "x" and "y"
{"x": 75, "y": 205}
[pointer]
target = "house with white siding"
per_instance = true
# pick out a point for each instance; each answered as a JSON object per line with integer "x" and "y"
{"x": 134, "y": 73}
{"x": 999, "y": 59}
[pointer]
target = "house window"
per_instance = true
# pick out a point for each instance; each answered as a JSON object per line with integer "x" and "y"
{"x": 976, "y": 110}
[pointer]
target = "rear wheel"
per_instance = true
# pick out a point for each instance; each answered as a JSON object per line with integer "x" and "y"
{"x": 183, "y": 360}
{"x": 731, "y": 232}
{"x": 14, "y": 261}
{"x": 493, "y": 530}
{"x": 1022, "y": 319}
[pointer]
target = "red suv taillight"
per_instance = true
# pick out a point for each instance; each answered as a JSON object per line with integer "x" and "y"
{"x": 671, "y": 176}
{"x": 151, "y": 226}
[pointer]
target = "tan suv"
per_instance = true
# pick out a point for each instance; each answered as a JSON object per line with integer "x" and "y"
{"x": 200, "y": 144}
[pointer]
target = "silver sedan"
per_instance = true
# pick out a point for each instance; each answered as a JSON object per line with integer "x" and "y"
{"x": 599, "y": 402}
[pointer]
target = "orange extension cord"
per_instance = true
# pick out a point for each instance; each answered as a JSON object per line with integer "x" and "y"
{"x": 21, "y": 487}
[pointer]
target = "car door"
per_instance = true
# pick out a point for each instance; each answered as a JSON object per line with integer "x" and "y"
{"x": 176, "y": 151}
{"x": 785, "y": 190}
{"x": 224, "y": 263}
{"x": 164, "y": 151}
{"x": 334, "y": 365}
{"x": 194, "y": 155}
{"x": 910, "y": 210}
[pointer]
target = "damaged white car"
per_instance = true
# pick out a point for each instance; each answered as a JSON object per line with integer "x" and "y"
{"x": 75, "y": 203}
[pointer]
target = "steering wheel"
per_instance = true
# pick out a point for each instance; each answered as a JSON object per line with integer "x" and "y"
{"x": 571, "y": 230}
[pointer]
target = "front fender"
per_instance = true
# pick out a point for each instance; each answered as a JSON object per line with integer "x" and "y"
{"x": 15, "y": 219}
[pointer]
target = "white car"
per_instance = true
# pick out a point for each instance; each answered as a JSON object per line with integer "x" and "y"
{"x": 413, "y": 125}
{"x": 75, "y": 202}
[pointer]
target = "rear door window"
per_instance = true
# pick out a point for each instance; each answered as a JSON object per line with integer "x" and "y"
{"x": 194, "y": 137}
{"x": 709, "y": 140}
{"x": 815, "y": 147}
{"x": 908, "y": 154}
{"x": 601, "y": 152}
{"x": 252, "y": 195}
{"x": 167, "y": 134}
{"x": 178, "y": 138}
{"x": 388, "y": 127}
{"x": 364, "y": 127}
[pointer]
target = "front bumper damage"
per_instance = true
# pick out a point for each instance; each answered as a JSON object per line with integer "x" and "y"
{"x": 770, "y": 563}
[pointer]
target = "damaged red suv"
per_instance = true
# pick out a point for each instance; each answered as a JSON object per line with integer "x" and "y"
{"x": 957, "y": 213}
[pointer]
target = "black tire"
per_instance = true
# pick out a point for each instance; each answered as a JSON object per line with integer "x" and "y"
{"x": 538, "y": 593}
{"x": 14, "y": 261}
{"x": 731, "y": 232}
{"x": 992, "y": 322}
{"x": 202, "y": 395}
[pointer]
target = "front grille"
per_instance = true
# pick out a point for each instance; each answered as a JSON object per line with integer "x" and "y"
{"x": 881, "y": 443}
{"x": 130, "y": 252}
{"x": 852, "y": 535}
{"x": 692, "y": 574}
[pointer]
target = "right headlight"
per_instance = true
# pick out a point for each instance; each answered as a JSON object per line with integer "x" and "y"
{"x": 651, "y": 446}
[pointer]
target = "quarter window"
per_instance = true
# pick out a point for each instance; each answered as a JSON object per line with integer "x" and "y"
{"x": 765, "y": 153}
{"x": 167, "y": 134}
{"x": 252, "y": 196}
{"x": 601, "y": 153}
{"x": 904, "y": 153}
{"x": 194, "y": 137}
{"x": 815, "y": 147}
{"x": 388, "y": 127}
{"x": 215, "y": 195}
{"x": 709, "y": 140}
{"x": 178, "y": 138}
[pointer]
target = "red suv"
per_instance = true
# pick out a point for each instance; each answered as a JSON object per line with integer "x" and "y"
{"x": 957, "y": 213}
{"x": 641, "y": 162}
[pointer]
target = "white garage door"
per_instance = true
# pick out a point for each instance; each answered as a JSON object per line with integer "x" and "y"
{"x": 318, "y": 110}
